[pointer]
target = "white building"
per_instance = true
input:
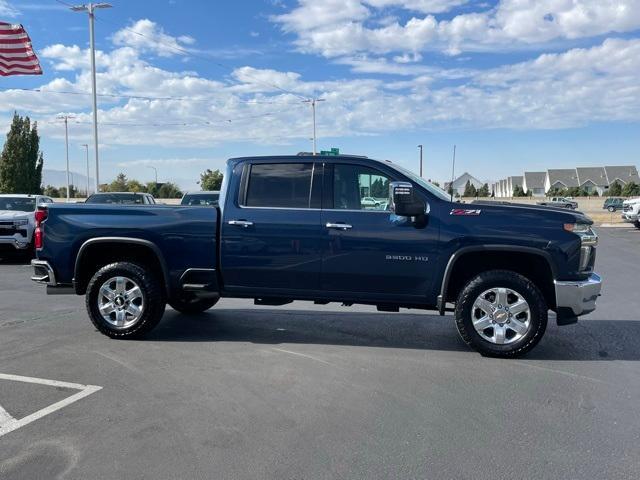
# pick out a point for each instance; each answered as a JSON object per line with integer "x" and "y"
{"x": 460, "y": 183}
{"x": 533, "y": 183}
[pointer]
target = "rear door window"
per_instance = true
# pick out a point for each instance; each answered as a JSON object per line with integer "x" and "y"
{"x": 279, "y": 185}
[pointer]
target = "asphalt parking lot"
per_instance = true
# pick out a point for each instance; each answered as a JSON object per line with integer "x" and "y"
{"x": 305, "y": 391}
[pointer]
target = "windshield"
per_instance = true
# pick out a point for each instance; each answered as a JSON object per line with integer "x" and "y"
{"x": 18, "y": 204}
{"x": 201, "y": 199}
{"x": 123, "y": 199}
{"x": 430, "y": 187}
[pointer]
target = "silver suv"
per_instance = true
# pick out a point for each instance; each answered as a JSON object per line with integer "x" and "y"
{"x": 17, "y": 220}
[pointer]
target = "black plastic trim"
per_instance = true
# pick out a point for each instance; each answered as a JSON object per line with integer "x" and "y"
{"x": 137, "y": 241}
{"x": 442, "y": 298}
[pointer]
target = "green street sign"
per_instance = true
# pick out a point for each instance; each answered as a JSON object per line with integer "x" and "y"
{"x": 334, "y": 152}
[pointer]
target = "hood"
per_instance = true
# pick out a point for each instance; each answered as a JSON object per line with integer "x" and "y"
{"x": 8, "y": 215}
{"x": 631, "y": 201}
{"x": 569, "y": 216}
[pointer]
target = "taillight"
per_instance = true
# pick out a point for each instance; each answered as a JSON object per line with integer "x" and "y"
{"x": 38, "y": 233}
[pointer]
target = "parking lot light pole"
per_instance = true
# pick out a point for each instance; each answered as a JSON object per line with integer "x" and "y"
{"x": 90, "y": 8}
{"x": 66, "y": 146}
{"x": 86, "y": 147}
{"x": 155, "y": 170}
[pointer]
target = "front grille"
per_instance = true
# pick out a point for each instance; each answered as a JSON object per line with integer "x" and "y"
{"x": 8, "y": 228}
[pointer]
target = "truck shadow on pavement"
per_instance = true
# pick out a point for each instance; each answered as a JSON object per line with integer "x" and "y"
{"x": 589, "y": 340}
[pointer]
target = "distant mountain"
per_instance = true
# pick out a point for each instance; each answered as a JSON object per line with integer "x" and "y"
{"x": 58, "y": 178}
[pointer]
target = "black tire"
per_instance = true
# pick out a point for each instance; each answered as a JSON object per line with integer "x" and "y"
{"x": 612, "y": 209}
{"x": 516, "y": 282}
{"x": 637, "y": 224}
{"x": 191, "y": 304}
{"x": 152, "y": 293}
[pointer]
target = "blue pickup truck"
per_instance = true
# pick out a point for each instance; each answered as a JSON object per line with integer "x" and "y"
{"x": 296, "y": 228}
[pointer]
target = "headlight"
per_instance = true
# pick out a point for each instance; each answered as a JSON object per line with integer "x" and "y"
{"x": 20, "y": 222}
{"x": 588, "y": 240}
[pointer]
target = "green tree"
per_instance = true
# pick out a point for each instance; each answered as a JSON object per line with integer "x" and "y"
{"x": 120, "y": 184}
{"x": 483, "y": 191}
{"x": 380, "y": 188}
{"x": 136, "y": 186}
{"x": 21, "y": 159}
{"x": 631, "y": 189}
{"x": 557, "y": 192}
{"x": 211, "y": 180}
{"x": 51, "y": 191}
{"x": 518, "y": 191}
{"x": 469, "y": 190}
{"x": 73, "y": 192}
{"x": 615, "y": 189}
{"x": 168, "y": 190}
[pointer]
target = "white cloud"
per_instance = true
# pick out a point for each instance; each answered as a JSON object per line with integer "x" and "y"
{"x": 322, "y": 28}
{"x": 262, "y": 106}
{"x": 423, "y": 6}
{"x": 147, "y": 36}
{"x": 8, "y": 10}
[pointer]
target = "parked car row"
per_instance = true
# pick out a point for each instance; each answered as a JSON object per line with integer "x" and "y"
{"x": 631, "y": 211}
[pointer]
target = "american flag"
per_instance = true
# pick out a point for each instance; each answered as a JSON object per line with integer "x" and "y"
{"x": 16, "y": 54}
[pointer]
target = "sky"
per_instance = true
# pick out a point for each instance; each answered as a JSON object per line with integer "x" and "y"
{"x": 185, "y": 84}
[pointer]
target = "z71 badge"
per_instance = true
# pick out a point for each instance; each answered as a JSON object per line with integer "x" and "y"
{"x": 464, "y": 211}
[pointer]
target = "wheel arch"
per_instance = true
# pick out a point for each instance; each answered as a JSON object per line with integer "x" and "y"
{"x": 144, "y": 251}
{"x": 479, "y": 256}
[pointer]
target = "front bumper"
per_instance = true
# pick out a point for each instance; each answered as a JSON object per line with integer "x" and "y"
{"x": 576, "y": 297}
{"x": 16, "y": 241}
{"x": 629, "y": 217}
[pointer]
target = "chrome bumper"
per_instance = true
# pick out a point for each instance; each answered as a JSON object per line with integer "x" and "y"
{"x": 43, "y": 273}
{"x": 19, "y": 243}
{"x": 577, "y": 297}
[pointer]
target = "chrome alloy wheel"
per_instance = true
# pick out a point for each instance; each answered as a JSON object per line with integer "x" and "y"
{"x": 501, "y": 315}
{"x": 120, "y": 302}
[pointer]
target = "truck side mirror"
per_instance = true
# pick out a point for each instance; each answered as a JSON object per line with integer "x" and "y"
{"x": 404, "y": 202}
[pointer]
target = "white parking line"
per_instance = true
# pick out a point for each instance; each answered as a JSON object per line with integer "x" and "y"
{"x": 9, "y": 424}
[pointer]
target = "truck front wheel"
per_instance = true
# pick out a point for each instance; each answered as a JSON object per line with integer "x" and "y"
{"x": 500, "y": 313}
{"x": 192, "y": 304}
{"x": 124, "y": 300}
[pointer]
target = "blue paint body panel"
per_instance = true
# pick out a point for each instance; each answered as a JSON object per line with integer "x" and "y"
{"x": 290, "y": 253}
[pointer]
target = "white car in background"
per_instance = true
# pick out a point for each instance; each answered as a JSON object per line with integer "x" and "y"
{"x": 17, "y": 220}
{"x": 631, "y": 211}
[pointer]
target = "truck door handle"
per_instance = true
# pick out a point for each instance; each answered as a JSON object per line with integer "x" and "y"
{"x": 339, "y": 226}
{"x": 240, "y": 223}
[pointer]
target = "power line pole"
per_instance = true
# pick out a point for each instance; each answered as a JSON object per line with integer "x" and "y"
{"x": 453, "y": 169}
{"x": 420, "y": 147}
{"x": 313, "y": 101}
{"x": 66, "y": 146}
{"x": 90, "y": 8}
{"x": 86, "y": 147}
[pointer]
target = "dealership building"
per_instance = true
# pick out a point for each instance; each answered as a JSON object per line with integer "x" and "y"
{"x": 595, "y": 180}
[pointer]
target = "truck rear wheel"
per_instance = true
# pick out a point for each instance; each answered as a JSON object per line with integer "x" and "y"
{"x": 193, "y": 304}
{"x": 124, "y": 300}
{"x": 500, "y": 313}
